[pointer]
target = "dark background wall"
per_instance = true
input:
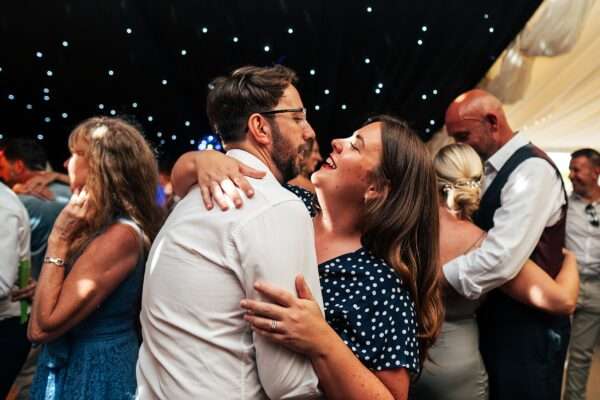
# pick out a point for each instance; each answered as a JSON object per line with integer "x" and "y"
{"x": 61, "y": 62}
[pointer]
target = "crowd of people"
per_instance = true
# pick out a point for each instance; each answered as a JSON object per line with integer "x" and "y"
{"x": 386, "y": 273}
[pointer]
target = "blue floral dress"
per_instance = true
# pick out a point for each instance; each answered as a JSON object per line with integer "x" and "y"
{"x": 96, "y": 359}
{"x": 369, "y": 306}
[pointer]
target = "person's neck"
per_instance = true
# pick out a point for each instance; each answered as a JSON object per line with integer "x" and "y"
{"x": 337, "y": 221}
{"x": 591, "y": 195}
{"x": 260, "y": 152}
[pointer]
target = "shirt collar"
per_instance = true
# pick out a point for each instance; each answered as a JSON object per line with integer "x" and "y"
{"x": 251, "y": 160}
{"x": 500, "y": 157}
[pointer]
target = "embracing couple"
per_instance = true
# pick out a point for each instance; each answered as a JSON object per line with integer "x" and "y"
{"x": 263, "y": 302}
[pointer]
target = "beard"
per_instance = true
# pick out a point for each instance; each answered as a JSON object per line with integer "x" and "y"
{"x": 285, "y": 157}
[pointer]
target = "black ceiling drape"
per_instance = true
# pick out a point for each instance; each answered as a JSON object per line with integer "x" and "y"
{"x": 354, "y": 59}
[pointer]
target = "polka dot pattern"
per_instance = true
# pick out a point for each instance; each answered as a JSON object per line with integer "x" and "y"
{"x": 307, "y": 197}
{"x": 369, "y": 306}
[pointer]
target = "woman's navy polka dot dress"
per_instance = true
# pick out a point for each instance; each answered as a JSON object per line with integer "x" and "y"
{"x": 369, "y": 306}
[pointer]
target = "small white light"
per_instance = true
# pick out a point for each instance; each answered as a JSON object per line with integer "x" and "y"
{"x": 101, "y": 106}
{"x": 343, "y": 107}
{"x": 150, "y": 118}
{"x": 367, "y": 60}
{"x": 173, "y": 137}
{"x": 377, "y": 91}
{"x": 47, "y": 119}
{"x": 424, "y": 96}
{"x": 162, "y": 141}
{"x": 434, "y": 91}
{"x": 204, "y": 29}
{"x": 11, "y": 97}
{"x": 49, "y": 72}
{"x": 0, "y": 69}
{"x": 267, "y": 49}
{"x": 39, "y": 54}
{"x": 419, "y": 42}
{"x": 485, "y": 16}
{"x": 210, "y": 138}
{"x": 113, "y": 112}
{"x": 164, "y": 81}
{"x": 235, "y": 39}
{"x": 424, "y": 28}
{"x": 326, "y": 91}
{"x": 46, "y": 98}
{"x": 290, "y": 30}
{"x": 427, "y": 130}
{"x": 159, "y": 134}
{"x": 491, "y": 29}
{"x": 183, "y": 52}
{"x": 192, "y": 141}
{"x": 432, "y": 122}
{"x": 134, "y": 105}
{"x": 369, "y": 9}
{"x": 209, "y": 146}
{"x": 317, "y": 107}
{"x": 28, "y": 106}
{"x": 380, "y": 85}
{"x": 1, "y": 136}
{"x": 64, "y": 115}
{"x": 312, "y": 72}
{"x": 65, "y": 43}
{"x": 46, "y": 90}
{"x": 128, "y": 31}
{"x": 187, "y": 123}
{"x": 40, "y": 136}
{"x": 111, "y": 72}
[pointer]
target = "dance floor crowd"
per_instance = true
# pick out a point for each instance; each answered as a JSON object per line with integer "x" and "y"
{"x": 388, "y": 272}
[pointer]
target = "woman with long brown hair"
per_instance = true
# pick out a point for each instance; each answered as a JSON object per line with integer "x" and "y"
{"x": 376, "y": 236}
{"x": 87, "y": 301}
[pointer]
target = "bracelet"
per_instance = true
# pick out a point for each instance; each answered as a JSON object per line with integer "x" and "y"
{"x": 59, "y": 262}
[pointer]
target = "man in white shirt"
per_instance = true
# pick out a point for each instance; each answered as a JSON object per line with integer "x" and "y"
{"x": 14, "y": 248}
{"x": 196, "y": 344}
{"x": 583, "y": 238}
{"x": 523, "y": 211}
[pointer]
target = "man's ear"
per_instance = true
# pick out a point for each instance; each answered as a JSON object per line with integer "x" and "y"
{"x": 18, "y": 167}
{"x": 259, "y": 129}
{"x": 493, "y": 120}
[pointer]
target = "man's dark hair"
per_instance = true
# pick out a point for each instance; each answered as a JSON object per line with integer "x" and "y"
{"x": 590, "y": 154}
{"x": 27, "y": 150}
{"x": 232, "y": 99}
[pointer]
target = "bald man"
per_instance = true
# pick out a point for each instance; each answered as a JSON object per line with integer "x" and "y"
{"x": 523, "y": 209}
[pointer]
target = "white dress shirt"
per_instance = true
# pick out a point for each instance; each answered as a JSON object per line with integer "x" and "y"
{"x": 15, "y": 235}
{"x": 196, "y": 344}
{"x": 531, "y": 200}
{"x": 583, "y": 238}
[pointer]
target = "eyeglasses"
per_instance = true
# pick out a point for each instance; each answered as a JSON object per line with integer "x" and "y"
{"x": 299, "y": 120}
{"x": 285, "y": 110}
{"x": 593, "y": 218}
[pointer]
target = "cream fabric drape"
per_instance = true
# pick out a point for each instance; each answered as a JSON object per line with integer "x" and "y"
{"x": 560, "y": 109}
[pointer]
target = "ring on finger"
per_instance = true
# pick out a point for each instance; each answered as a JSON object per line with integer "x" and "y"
{"x": 273, "y": 325}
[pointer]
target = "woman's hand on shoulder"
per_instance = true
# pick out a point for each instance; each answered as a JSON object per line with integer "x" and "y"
{"x": 294, "y": 322}
{"x": 217, "y": 176}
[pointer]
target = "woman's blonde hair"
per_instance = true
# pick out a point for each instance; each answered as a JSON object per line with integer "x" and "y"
{"x": 122, "y": 178}
{"x": 459, "y": 170}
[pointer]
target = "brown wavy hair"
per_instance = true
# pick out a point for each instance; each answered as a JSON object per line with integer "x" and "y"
{"x": 402, "y": 225}
{"x": 122, "y": 178}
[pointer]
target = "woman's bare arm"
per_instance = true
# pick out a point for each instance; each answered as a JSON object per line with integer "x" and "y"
{"x": 535, "y": 287}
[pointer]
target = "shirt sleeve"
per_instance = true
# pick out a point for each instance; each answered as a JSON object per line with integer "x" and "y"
{"x": 530, "y": 199}
{"x": 275, "y": 251}
{"x": 12, "y": 250}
